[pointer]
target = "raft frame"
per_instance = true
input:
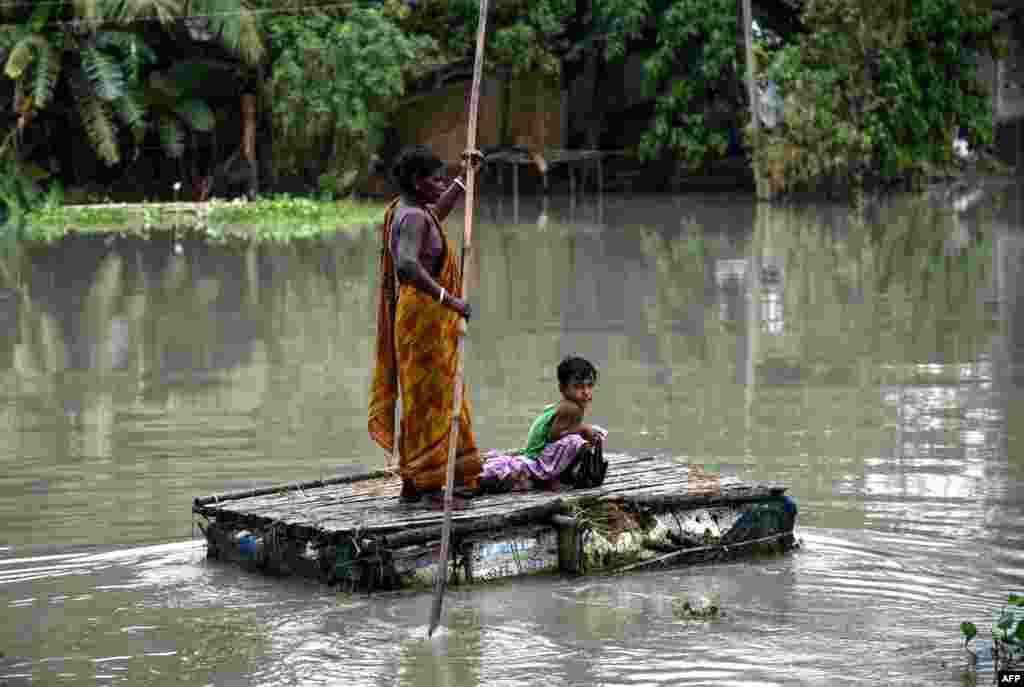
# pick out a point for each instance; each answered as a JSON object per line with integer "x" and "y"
{"x": 352, "y": 532}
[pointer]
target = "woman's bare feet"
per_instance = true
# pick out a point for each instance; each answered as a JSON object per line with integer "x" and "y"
{"x": 412, "y": 495}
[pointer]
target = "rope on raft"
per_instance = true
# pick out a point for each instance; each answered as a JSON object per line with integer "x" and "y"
{"x": 697, "y": 549}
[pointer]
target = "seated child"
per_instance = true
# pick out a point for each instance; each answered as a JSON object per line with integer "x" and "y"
{"x": 556, "y": 436}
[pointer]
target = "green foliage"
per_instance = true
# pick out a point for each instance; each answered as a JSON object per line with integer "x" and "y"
{"x": 523, "y": 36}
{"x": 690, "y": 49}
{"x": 876, "y": 89}
{"x": 524, "y": 39}
{"x": 1007, "y": 634}
{"x": 37, "y": 63}
{"x": 278, "y": 219}
{"x": 690, "y": 62}
{"x": 20, "y": 57}
{"x": 875, "y": 92}
{"x": 127, "y": 11}
{"x": 100, "y": 128}
{"x": 19, "y": 183}
{"x": 134, "y": 51}
{"x": 237, "y": 28}
{"x": 691, "y": 72}
{"x": 105, "y": 61}
{"x": 172, "y": 103}
{"x": 104, "y": 72}
{"x": 132, "y": 113}
{"x": 704, "y": 608}
{"x": 172, "y": 136}
{"x": 333, "y": 83}
{"x": 285, "y": 218}
{"x": 618, "y": 22}
{"x": 196, "y": 114}
{"x": 969, "y": 631}
{"x": 35, "y": 51}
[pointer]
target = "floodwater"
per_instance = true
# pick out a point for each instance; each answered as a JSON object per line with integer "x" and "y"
{"x": 873, "y": 362}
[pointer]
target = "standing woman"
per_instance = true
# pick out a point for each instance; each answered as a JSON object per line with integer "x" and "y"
{"x": 419, "y": 307}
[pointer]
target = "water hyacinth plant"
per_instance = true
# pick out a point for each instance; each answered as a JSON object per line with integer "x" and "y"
{"x": 706, "y": 607}
{"x": 278, "y": 218}
{"x": 1007, "y": 634}
{"x": 283, "y": 217}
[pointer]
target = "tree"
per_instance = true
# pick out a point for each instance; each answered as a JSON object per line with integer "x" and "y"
{"x": 691, "y": 72}
{"x": 876, "y": 92}
{"x": 523, "y": 35}
{"x": 334, "y": 80}
{"x": 690, "y": 49}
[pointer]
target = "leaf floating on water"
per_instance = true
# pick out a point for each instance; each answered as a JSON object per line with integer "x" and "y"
{"x": 969, "y": 630}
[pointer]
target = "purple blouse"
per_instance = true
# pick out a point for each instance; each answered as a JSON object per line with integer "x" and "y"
{"x": 432, "y": 248}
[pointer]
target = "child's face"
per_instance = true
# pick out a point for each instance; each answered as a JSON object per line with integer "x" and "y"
{"x": 580, "y": 392}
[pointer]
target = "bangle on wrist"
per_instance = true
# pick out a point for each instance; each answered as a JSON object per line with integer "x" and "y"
{"x": 459, "y": 182}
{"x": 440, "y": 297}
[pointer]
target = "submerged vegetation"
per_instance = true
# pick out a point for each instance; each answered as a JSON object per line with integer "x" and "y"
{"x": 1007, "y": 635}
{"x": 285, "y": 217}
{"x": 277, "y": 218}
{"x": 707, "y": 607}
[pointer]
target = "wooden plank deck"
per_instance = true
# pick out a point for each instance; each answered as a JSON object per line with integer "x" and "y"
{"x": 367, "y": 506}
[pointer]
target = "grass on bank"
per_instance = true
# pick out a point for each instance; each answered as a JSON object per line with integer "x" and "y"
{"x": 275, "y": 218}
{"x": 282, "y": 218}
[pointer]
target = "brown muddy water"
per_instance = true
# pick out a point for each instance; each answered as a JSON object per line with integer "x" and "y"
{"x": 873, "y": 363}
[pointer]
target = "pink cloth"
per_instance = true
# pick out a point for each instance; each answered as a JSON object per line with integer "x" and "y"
{"x": 548, "y": 465}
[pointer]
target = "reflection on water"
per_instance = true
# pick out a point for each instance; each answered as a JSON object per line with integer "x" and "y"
{"x": 874, "y": 363}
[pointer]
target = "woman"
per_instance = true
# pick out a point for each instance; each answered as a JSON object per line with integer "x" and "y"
{"x": 419, "y": 306}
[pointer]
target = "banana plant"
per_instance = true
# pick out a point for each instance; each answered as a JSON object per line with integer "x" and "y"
{"x": 97, "y": 48}
{"x": 174, "y": 106}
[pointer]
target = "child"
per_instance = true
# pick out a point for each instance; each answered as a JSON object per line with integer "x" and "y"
{"x": 555, "y": 438}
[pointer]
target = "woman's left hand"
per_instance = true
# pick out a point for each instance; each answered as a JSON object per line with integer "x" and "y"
{"x": 460, "y": 306}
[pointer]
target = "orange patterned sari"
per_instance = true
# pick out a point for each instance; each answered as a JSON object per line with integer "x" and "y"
{"x": 417, "y": 340}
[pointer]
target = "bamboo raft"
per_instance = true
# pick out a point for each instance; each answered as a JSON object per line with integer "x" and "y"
{"x": 354, "y": 533}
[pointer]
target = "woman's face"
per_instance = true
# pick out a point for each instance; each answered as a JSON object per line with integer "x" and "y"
{"x": 431, "y": 187}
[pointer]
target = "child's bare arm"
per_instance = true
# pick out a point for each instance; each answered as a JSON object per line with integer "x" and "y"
{"x": 569, "y": 420}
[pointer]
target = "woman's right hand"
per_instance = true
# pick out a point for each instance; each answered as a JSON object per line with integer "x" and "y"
{"x": 458, "y": 305}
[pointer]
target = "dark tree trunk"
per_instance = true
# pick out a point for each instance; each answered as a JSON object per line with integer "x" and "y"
{"x": 249, "y": 141}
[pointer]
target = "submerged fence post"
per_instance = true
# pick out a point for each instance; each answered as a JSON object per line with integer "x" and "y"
{"x": 569, "y": 559}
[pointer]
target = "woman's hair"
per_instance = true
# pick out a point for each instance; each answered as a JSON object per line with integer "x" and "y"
{"x": 576, "y": 369}
{"x": 413, "y": 163}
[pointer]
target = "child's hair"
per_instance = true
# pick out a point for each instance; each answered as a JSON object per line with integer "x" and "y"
{"x": 411, "y": 164}
{"x": 575, "y": 369}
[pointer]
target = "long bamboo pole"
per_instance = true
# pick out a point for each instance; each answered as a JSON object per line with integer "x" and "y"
{"x": 441, "y": 575}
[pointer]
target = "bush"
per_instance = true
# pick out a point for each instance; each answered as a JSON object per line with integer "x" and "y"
{"x": 874, "y": 95}
{"x": 1007, "y": 634}
{"x": 333, "y": 84}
